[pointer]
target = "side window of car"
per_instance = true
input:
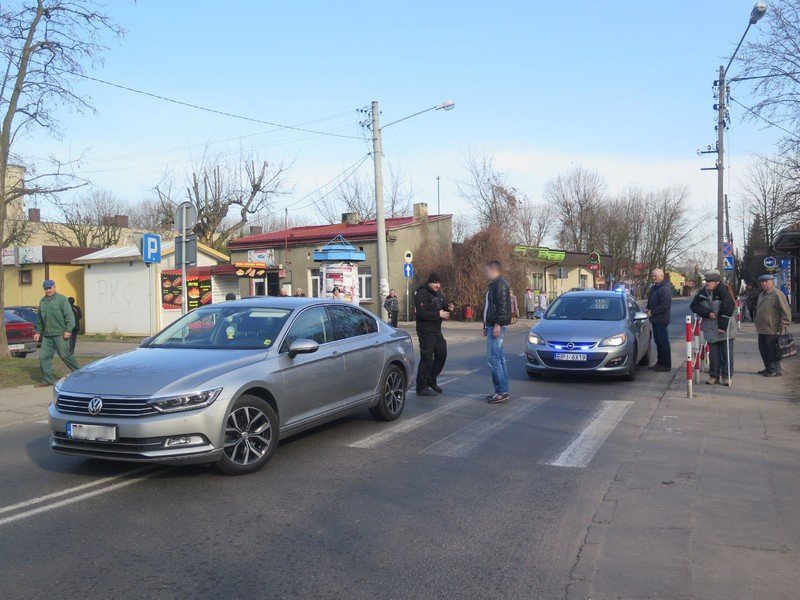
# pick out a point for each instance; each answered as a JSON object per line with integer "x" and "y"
{"x": 633, "y": 308}
{"x": 311, "y": 324}
{"x": 350, "y": 322}
{"x": 370, "y": 325}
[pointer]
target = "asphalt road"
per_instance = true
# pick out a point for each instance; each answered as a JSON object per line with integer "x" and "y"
{"x": 457, "y": 499}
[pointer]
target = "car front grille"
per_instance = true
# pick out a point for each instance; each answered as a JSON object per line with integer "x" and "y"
{"x": 593, "y": 360}
{"x": 575, "y": 345}
{"x": 113, "y": 406}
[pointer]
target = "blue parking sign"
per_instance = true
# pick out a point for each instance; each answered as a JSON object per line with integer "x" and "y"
{"x": 151, "y": 248}
{"x": 408, "y": 270}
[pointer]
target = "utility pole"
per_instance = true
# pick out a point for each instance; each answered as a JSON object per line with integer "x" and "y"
{"x": 721, "y": 119}
{"x": 438, "y": 197}
{"x": 380, "y": 211}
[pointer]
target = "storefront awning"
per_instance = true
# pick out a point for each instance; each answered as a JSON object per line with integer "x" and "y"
{"x": 788, "y": 239}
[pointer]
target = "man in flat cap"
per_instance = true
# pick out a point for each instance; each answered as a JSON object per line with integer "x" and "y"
{"x": 431, "y": 309}
{"x": 54, "y": 328}
{"x": 773, "y": 317}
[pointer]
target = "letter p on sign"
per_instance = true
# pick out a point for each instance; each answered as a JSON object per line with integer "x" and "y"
{"x": 151, "y": 243}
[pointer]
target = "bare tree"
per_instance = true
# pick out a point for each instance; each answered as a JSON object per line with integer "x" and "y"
{"x": 668, "y": 228}
{"x": 534, "y": 222}
{"x": 576, "y": 197}
{"x": 618, "y": 233}
{"x": 766, "y": 191}
{"x": 45, "y": 44}
{"x": 226, "y": 195}
{"x": 463, "y": 227}
{"x": 89, "y": 221}
{"x": 357, "y": 195}
{"x": 399, "y": 194}
{"x": 151, "y": 214}
{"x": 488, "y": 192}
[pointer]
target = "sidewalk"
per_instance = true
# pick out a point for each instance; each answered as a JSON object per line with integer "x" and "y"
{"x": 708, "y": 504}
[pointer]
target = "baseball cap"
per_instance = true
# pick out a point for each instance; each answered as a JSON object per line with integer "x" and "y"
{"x": 48, "y": 283}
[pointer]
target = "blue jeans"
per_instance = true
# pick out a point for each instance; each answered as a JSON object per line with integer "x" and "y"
{"x": 497, "y": 360}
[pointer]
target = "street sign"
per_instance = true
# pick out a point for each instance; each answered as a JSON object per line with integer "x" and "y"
{"x": 408, "y": 270}
{"x": 594, "y": 258}
{"x": 191, "y": 250}
{"x": 151, "y": 248}
{"x": 191, "y": 216}
{"x": 408, "y": 257}
{"x": 770, "y": 262}
{"x": 727, "y": 249}
{"x": 728, "y": 264}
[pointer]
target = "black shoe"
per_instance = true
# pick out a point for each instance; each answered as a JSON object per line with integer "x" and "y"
{"x": 763, "y": 371}
{"x": 426, "y": 392}
{"x": 436, "y": 388}
{"x": 662, "y": 369}
{"x": 498, "y": 398}
{"x": 772, "y": 374}
{"x": 654, "y": 366}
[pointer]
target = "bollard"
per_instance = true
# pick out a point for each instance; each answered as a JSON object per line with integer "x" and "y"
{"x": 696, "y": 349}
{"x": 738, "y": 314}
{"x": 689, "y": 369}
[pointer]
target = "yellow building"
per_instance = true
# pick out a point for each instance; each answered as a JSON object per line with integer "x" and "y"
{"x": 557, "y": 271}
{"x": 678, "y": 280}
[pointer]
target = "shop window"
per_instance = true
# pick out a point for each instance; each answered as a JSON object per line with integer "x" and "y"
{"x": 315, "y": 283}
{"x": 365, "y": 284}
{"x": 25, "y": 277}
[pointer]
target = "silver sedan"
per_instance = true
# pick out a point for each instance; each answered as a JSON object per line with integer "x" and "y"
{"x": 225, "y": 382}
{"x": 590, "y": 332}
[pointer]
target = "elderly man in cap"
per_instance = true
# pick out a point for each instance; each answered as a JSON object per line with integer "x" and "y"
{"x": 431, "y": 309}
{"x": 773, "y": 317}
{"x": 716, "y": 305}
{"x": 56, "y": 322}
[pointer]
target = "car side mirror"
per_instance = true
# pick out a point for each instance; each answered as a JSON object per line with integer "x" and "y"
{"x": 640, "y": 316}
{"x": 302, "y": 346}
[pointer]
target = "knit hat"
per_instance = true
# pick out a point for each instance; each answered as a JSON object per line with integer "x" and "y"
{"x": 434, "y": 278}
{"x": 48, "y": 283}
{"x": 713, "y": 275}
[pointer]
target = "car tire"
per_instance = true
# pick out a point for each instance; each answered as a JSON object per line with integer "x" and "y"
{"x": 392, "y": 396}
{"x": 251, "y": 436}
{"x": 631, "y": 374}
{"x": 19, "y": 354}
{"x": 645, "y": 361}
{"x": 533, "y": 374}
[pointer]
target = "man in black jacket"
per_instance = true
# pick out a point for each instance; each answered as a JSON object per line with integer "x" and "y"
{"x": 429, "y": 305}
{"x": 659, "y": 305}
{"x": 496, "y": 318}
{"x": 716, "y": 305}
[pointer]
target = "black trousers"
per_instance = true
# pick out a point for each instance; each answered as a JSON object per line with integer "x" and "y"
{"x": 661, "y": 338}
{"x": 73, "y": 339}
{"x": 393, "y": 318}
{"x": 770, "y": 351}
{"x": 432, "y": 356}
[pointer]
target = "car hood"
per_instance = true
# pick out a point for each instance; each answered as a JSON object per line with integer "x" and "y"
{"x": 578, "y": 331}
{"x": 151, "y": 371}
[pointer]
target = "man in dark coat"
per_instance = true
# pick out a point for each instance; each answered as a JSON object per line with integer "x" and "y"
{"x": 659, "y": 305}
{"x": 392, "y": 306}
{"x": 496, "y": 319}
{"x": 716, "y": 305}
{"x": 431, "y": 309}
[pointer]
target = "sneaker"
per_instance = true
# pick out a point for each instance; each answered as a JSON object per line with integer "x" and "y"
{"x": 426, "y": 392}
{"x": 763, "y": 371}
{"x": 724, "y": 381}
{"x": 436, "y": 388}
{"x": 498, "y": 398}
{"x": 712, "y": 381}
{"x": 772, "y": 374}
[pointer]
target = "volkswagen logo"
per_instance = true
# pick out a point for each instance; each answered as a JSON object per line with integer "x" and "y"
{"x": 570, "y": 346}
{"x": 95, "y": 406}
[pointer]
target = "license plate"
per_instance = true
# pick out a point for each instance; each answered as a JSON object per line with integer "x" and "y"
{"x": 13, "y": 347}
{"x": 570, "y": 356}
{"x": 93, "y": 433}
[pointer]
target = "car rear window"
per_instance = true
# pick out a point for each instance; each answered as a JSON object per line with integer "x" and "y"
{"x": 12, "y": 318}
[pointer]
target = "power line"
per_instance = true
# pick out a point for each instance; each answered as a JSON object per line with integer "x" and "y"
{"x": 211, "y": 110}
{"x": 352, "y": 172}
{"x": 763, "y": 118}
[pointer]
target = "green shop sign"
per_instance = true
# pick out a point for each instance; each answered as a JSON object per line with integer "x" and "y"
{"x": 541, "y": 253}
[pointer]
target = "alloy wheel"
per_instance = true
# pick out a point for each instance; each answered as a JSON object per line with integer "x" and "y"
{"x": 394, "y": 393}
{"x": 248, "y": 435}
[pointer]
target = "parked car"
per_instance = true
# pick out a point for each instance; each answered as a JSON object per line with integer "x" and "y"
{"x": 226, "y": 381}
{"x": 19, "y": 334}
{"x": 590, "y": 332}
{"x": 27, "y": 313}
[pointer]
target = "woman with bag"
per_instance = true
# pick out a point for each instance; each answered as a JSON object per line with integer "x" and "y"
{"x": 715, "y": 304}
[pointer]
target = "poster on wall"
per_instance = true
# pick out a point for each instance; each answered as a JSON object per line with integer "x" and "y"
{"x": 341, "y": 275}
{"x": 198, "y": 290}
{"x": 265, "y": 256}
{"x": 9, "y": 255}
{"x": 29, "y": 255}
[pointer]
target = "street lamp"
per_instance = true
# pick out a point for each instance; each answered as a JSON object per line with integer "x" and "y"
{"x": 755, "y": 15}
{"x": 380, "y": 211}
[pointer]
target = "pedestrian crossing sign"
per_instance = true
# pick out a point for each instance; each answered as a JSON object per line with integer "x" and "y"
{"x": 728, "y": 264}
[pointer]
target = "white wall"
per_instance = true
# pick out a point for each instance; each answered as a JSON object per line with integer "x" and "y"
{"x": 116, "y": 298}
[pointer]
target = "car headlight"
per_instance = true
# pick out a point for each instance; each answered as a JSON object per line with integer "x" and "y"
{"x": 57, "y": 388}
{"x": 615, "y": 340}
{"x": 536, "y": 340}
{"x": 169, "y": 404}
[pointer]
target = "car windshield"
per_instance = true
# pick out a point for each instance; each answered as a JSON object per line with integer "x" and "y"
{"x": 586, "y": 308}
{"x": 224, "y": 327}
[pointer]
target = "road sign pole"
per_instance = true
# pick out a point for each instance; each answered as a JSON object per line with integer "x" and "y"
{"x": 408, "y": 304}
{"x": 183, "y": 260}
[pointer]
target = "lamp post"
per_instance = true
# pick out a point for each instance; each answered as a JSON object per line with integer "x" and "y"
{"x": 380, "y": 210}
{"x": 755, "y": 15}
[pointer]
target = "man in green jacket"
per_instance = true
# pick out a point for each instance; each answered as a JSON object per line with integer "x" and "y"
{"x": 56, "y": 322}
{"x": 773, "y": 317}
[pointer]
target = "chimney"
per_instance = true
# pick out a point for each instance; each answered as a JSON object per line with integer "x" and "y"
{"x": 351, "y": 218}
{"x": 256, "y": 230}
{"x": 107, "y": 221}
{"x": 34, "y": 215}
{"x": 121, "y": 221}
{"x": 420, "y": 212}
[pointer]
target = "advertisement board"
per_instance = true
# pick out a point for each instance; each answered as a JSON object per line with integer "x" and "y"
{"x": 265, "y": 256}
{"x": 9, "y": 255}
{"x": 29, "y": 255}
{"x": 198, "y": 290}
{"x": 341, "y": 275}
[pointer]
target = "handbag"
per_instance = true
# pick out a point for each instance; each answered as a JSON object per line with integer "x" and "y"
{"x": 787, "y": 345}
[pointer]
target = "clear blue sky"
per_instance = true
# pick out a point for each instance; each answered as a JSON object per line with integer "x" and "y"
{"x": 623, "y": 87}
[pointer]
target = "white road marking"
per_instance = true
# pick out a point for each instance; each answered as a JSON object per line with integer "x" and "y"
{"x": 583, "y": 448}
{"x": 460, "y": 443}
{"x": 405, "y": 426}
{"x": 71, "y": 490}
{"x": 74, "y": 499}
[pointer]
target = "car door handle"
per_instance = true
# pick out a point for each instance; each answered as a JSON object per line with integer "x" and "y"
{"x": 335, "y": 354}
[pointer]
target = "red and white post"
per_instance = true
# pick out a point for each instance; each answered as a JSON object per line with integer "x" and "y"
{"x": 689, "y": 357}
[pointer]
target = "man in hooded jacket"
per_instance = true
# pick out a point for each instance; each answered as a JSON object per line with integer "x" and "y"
{"x": 431, "y": 309}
